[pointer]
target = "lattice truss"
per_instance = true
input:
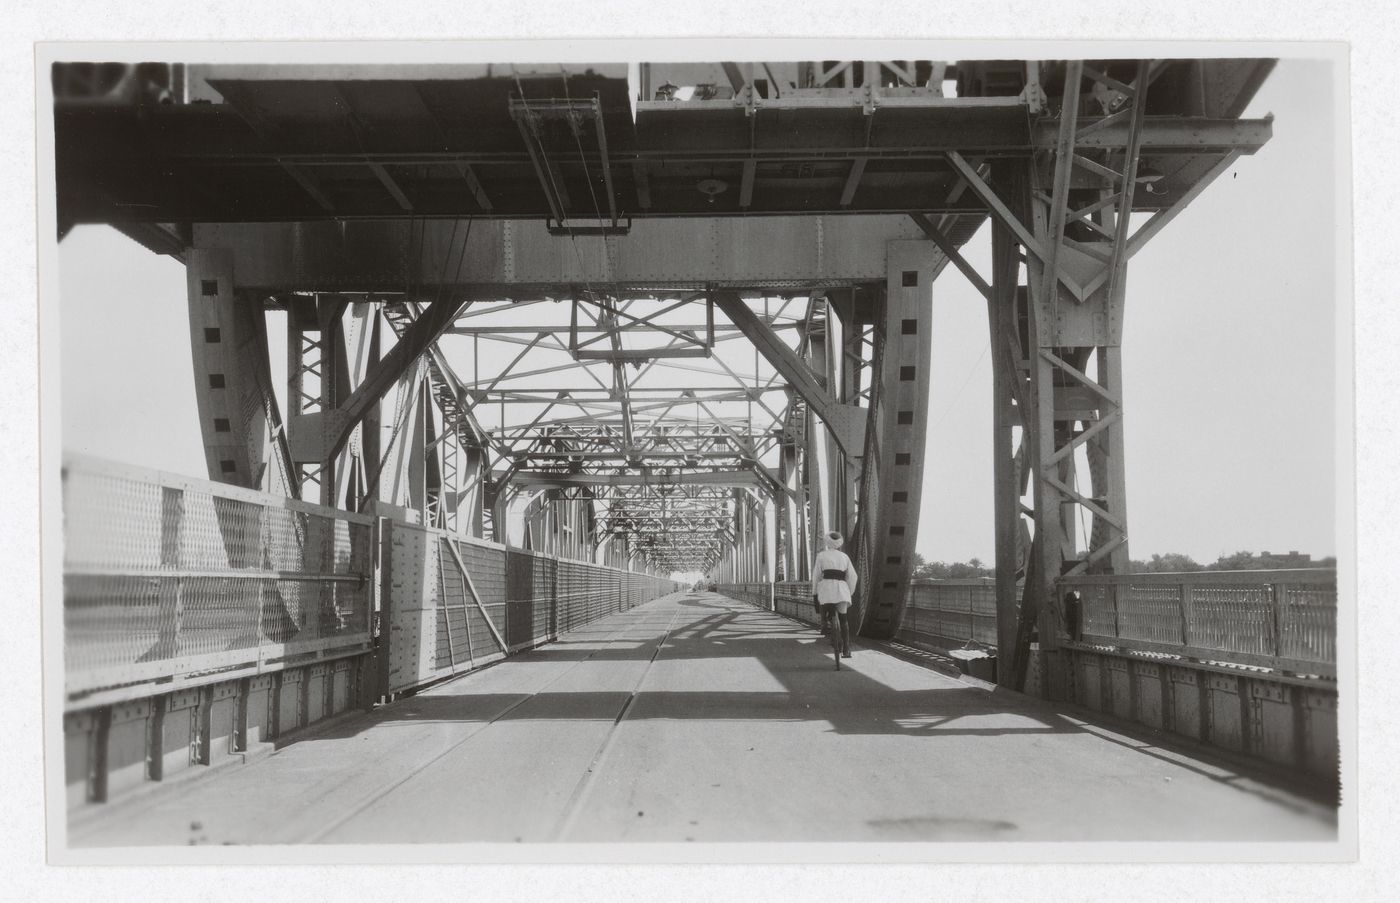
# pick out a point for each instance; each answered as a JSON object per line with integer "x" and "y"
{"x": 652, "y": 410}
{"x": 1066, "y": 232}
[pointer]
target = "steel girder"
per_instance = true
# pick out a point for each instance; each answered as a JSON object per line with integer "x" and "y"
{"x": 846, "y": 421}
{"x": 519, "y": 259}
{"x": 564, "y": 480}
{"x": 330, "y": 347}
{"x": 829, "y": 447}
{"x": 793, "y": 537}
{"x": 749, "y": 556}
{"x": 559, "y": 524}
{"x": 336, "y": 383}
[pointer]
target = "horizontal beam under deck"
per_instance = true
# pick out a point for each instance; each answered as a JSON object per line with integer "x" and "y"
{"x": 506, "y": 258}
{"x": 538, "y": 479}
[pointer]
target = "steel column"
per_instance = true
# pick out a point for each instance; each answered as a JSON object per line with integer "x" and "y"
{"x": 892, "y": 483}
{"x": 245, "y": 443}
{"x": 1008, "y": 384}
{"x": 1075, "y": 287}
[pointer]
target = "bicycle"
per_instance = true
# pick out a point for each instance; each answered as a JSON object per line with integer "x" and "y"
{"x": 831, "y": 629}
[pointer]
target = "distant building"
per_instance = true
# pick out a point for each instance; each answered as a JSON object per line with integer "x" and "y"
{"x": 1292, "y": 559}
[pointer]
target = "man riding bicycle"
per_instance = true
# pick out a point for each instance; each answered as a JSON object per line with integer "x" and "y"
{"x": 833, "y": 582}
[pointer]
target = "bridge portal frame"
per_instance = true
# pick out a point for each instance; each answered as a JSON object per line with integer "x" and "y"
{"x": 312, "y": 267}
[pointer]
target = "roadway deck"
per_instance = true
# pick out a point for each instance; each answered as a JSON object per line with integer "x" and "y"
{"x": 696, "y": 717}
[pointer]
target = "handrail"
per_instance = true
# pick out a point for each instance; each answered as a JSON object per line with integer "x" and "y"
{"x": 953, "y": 581}
{"x": 1283, "y": 620}
{"x": 1288, "y": 575}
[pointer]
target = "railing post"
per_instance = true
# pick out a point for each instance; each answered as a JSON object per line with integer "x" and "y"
{"x": 264, "y": 589}
{"x": 1188, "y": 612}
{"x": 1280, "y": 605}
{"x": 1113, "y": 594}
{"x": 172, "y": 522}
{"x": 553, "y": 597}
{"x": 381, "y": 603}
{"x": 177, "y": 621}
{"x": 97, "y": 765}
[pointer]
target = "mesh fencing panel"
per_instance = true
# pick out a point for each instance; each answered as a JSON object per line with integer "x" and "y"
{"x": 942, "y": 613}
{"x": 1151, "y": 612}
{"x": 1097, "y": 614}
{"x": 172, "y": 577}
{"x": 169, "y": 577}
{"x": 794, "y": 599}
{"x": 1233, "y": 618}
{"x": 1310, "y": 624}
{"x": 525, "y": 598}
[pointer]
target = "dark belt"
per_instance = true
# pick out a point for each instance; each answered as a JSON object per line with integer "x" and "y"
{"x": 829, "y": 574}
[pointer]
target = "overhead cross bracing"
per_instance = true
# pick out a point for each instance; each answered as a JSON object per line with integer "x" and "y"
{"x": 629, "y": 427}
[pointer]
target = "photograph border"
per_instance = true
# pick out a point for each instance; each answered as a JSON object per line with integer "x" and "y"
{"x": 1345, "y": 848}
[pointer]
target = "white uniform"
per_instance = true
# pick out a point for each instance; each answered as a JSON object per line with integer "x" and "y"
{"x": 833, "y": 591}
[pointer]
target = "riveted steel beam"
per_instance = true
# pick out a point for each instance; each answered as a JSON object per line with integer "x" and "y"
{"x": 543, "y": 479}
{"x": 412, "y": 345}
{"x": 846, "y": 422}
{"x": 245, "y": 440}
{"x": 891, "y": 488}
{"x": 513, "y": 258}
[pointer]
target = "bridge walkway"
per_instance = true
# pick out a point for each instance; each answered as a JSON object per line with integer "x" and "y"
{"x": 698, "y": 718}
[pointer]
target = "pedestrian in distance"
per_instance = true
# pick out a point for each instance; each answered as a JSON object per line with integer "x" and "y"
{"x": 833, "y": 581}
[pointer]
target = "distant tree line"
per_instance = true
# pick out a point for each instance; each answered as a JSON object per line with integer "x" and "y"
{"x": 942, "y": 570}
{"x": 1175, "y": 562}
{"x": 1172, "y": 562}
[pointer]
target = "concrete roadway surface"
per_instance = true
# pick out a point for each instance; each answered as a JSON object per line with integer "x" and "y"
{"x": 699, "y": 718}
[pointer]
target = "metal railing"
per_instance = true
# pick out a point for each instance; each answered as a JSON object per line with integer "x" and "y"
{"x": 942, "y": 612}
{"x": 752, "y": 593}
{"x": 794, "y": 599}
{"x": 1284, "y": 620}
{"x": 461, "y": 602}
{"x": 173, "y": 581}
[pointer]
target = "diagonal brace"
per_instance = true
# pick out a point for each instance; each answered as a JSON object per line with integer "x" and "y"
{"x": 415, "y": 341}
{"x": 471, "y": 587}
{"x": 1085, "y": 501}
{"x": 844, "y": 421}
{"x": 946, "y": 246}
{"x": 1008, "y": 219}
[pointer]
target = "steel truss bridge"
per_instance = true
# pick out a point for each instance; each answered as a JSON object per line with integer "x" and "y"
{"x": 672, "y": 318}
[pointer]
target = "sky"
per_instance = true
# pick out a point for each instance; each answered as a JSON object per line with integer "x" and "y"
{"x": 1229, "y": 362}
